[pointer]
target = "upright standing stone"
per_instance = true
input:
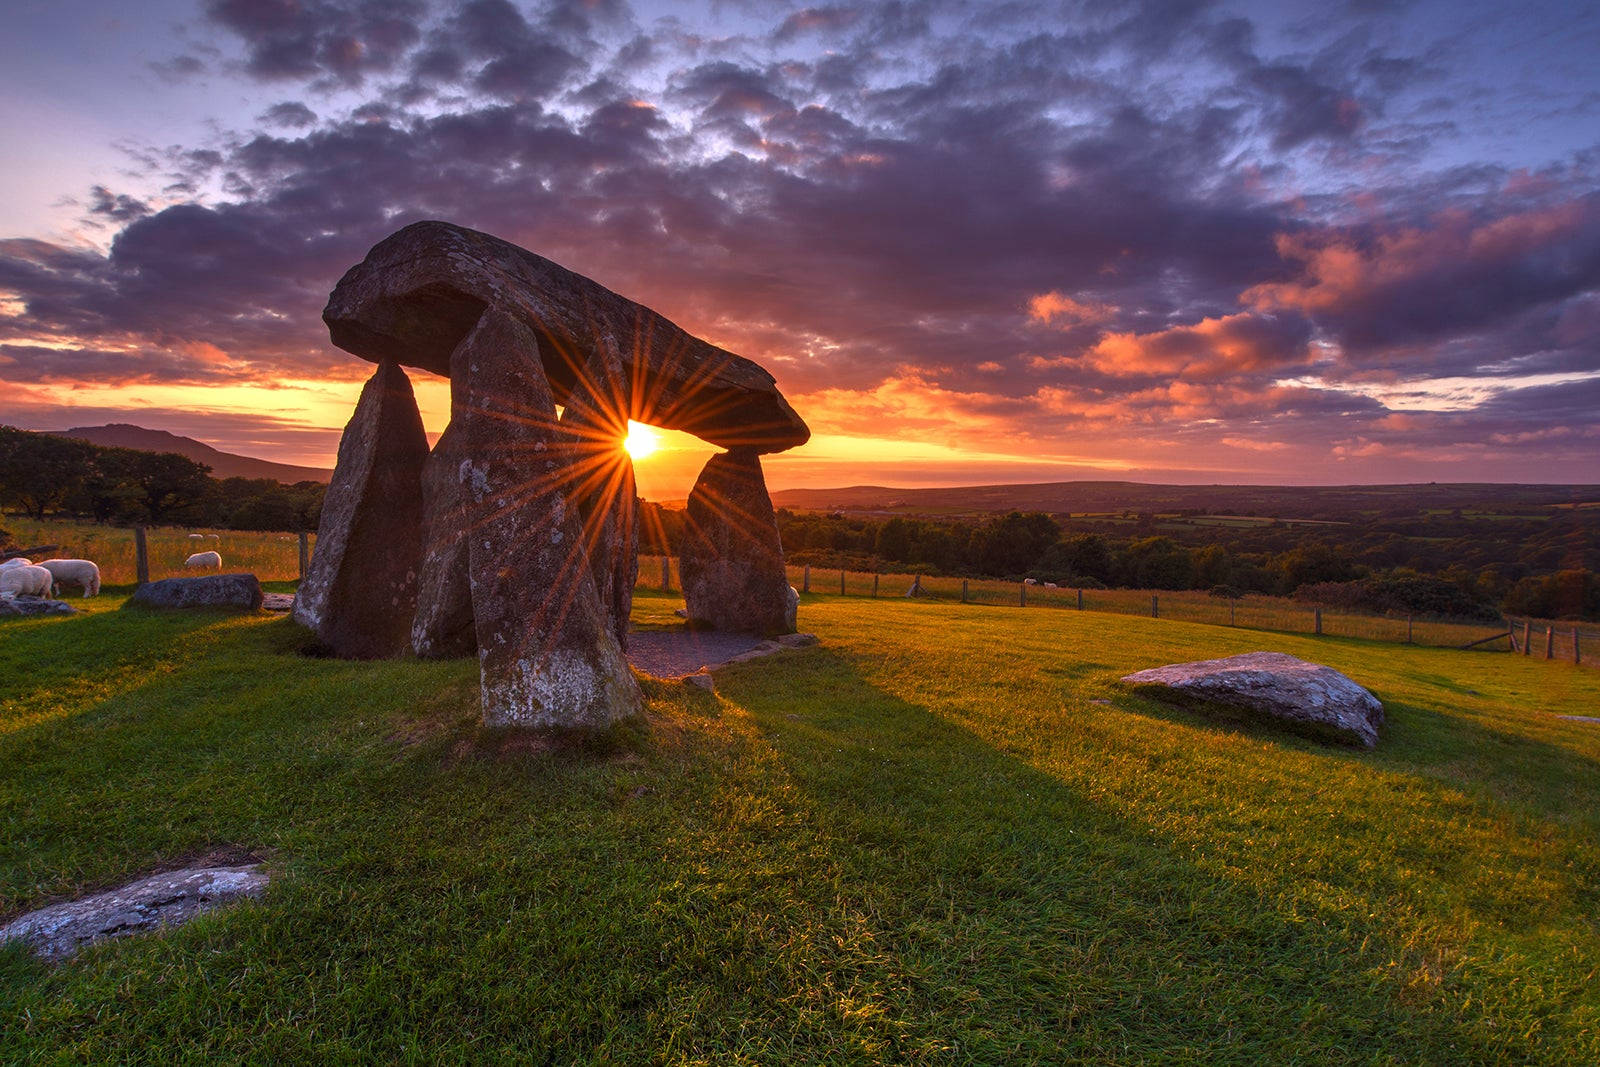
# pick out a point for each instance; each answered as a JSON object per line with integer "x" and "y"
{"x": 732, "y": 566}
{"x": 600, "y": 474}
{"x": 360, "y": 591}
{"x": 442, "y": 627}
{"x": 545, "y": 652}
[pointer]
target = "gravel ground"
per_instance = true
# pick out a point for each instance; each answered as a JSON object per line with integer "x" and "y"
{"x": 674, "y": 653}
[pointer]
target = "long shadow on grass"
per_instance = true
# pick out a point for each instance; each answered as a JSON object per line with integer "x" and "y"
{"x": 1028, "y": 919}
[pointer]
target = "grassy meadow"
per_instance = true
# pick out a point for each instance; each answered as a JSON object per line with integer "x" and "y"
{"x": 945, "y": 835}
{"x": 272, "y": 557}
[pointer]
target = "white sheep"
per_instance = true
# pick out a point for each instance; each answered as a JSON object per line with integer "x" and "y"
{"x": 16, "y": 561}
{"x": 80, "y": 572}
{"x": 197, "y": 537}
{"x": 25, "y": 581}
{"x": 208, "y": 560}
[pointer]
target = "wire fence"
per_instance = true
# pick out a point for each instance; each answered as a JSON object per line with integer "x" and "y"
{"x": 1540, "y": 638}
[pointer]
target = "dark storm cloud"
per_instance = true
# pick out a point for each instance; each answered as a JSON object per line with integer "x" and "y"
{"x": 290, "y": 115}
{"x": 998, "y": 202}
{"x": 340, "y": 40}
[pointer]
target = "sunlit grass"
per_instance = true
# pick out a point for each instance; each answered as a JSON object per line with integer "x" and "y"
{"x": 945, "y": 835}
{"x": 272, "y": 557}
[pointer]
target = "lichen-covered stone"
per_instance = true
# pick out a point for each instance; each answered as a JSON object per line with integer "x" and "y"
{"x": 546, "y": 654}
{"x": 210, "y": 591}
{"x": 1307, "y": 696}
{"x": 420, "y": 290}
{"x": 732, "y": 562}
{"x": 599, "y": 472}
{"x": 56, "y": 932}
{"x": 360, "y": 591}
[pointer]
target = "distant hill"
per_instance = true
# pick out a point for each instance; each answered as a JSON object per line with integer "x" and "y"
{"x": 222, "y": 464}
{"x": 1304, "y": 501}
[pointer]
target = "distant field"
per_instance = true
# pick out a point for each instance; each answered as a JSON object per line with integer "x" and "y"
{"x": 946, "y": 835}
{"x": 270, "y": 556}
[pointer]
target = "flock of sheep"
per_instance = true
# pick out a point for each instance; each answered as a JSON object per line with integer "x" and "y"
{"x": 22, "y": 577}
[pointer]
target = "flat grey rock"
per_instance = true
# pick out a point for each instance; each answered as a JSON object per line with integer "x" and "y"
{"x": 211, "y": 591}
{"x": 56, "y": 932}
{"x": 27, "y": 607}
{"x": 277, "y": 602}
{"x": 1309, "y": 696}
{"x": 1579, "y": 718}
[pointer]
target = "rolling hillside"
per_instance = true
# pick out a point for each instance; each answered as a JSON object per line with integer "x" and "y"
{"x": 222, "y": 464}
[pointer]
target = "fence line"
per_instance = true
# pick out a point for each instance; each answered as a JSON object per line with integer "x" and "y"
{"x": 1552, "y": 640}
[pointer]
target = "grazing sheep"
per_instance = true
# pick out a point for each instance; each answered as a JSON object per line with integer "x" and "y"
{"x": 80, "y": 572}
{"x": 197, "y": 537}
{"x": 17, "y": 561}
{"x": 25, "y": 581}
{"x": 209, "y": 560}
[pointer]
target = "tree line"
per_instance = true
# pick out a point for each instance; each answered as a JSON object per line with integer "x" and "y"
{"x": 44, "y": 474}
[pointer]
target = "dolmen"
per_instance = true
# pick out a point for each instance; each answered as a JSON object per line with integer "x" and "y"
{"x": 515, "y": 537}
{"x": 1307, "y": 697}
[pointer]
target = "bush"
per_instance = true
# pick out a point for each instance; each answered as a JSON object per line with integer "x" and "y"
{"x": 1401, "y": 593}
{"x": 1226, "y": 592}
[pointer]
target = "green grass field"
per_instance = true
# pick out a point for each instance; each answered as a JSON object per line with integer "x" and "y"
{"x": 946, "y": 835}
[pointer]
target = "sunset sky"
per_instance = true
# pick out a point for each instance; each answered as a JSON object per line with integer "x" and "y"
{"x": 975, "y": 242}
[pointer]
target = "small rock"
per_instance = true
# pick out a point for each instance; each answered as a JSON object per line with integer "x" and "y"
{"x": 682, "y": 613}
{"x": 797, "y": 640}
{"x": 211, "y": 591}
{"x": 1315, "y": 698}
{"x": 26, "y": 607}
{"x": 702, "y": 680}
{"x": 277, "y": 602}
{"x": 56, "y": 932}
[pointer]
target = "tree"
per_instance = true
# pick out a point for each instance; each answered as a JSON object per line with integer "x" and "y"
{"x": 894, "y": 540}
{"x": 39, "y": 471}
{"x": 1013, "y": 543}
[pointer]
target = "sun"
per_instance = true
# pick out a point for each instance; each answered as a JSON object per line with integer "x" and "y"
{"x": 641, "y": 440}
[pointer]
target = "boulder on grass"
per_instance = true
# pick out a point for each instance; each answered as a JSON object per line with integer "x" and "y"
{"x": 211, "y": 591}
{"x": 1306, "y": 696}
{"x": 27, "y": 607}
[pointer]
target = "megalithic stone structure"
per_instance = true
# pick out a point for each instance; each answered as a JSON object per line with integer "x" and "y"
{"x": 600, "y": 476}
{"x": 733, "y": 575}
{"x": 546, "y": 653}
{"x": 442, "y": 627}
{"x": 517, "y": 537}
{"x": 360, "y": 590}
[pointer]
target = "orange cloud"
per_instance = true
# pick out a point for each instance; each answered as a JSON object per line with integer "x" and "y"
{"x": 1047, "y": 307}
{"x": 1211, "y": 348}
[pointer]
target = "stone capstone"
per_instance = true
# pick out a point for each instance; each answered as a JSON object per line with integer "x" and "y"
{"x": 27, "y": 607}
{"x": 58, "y": 931}
{"x": 546, "y": 652}
{"x": 732, "y": 559}
{"x": 209, "y": 591}
{"x": 360, "y": 591}
{"x": 1308, "y": 696}
{"x": 422, "y": 289}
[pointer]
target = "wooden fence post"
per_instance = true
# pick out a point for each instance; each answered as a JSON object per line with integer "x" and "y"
{"x": 874, "y": 586}
{"x": 1230, "y": 612}
{"x": 1080, "y": 600}
{"x": 666, "y": 574}
{"x": 1527, "y": 637}
{"x": 963, "y": 590}
{"x": 841, "y": 581}
{"x": 805, "y": 579}
{"x": 141, "y": 556}
{"x": 1408, "y": 629}
{"x": 1577, "y": 656}
{"x": 1022, "y": 594}
{"x": 1155, "y": 606}
{"x": 1317, "y": 615}
{"x": 1549, "y": 642}
{"x": 305, "y": 553}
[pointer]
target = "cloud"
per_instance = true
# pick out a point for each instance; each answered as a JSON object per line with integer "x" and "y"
{"x": 858, "y": 198}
